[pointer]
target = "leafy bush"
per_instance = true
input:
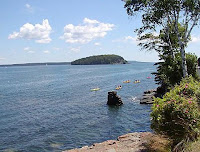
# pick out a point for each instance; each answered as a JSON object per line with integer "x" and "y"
{"x": 177, "y": 115}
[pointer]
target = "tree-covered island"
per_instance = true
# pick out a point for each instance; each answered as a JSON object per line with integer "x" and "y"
{"x": 100, "y": 59}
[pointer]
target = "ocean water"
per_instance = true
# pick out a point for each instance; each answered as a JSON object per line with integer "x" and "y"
{"x": 51, "y": 108}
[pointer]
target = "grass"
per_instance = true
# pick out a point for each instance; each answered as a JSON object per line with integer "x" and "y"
{"x": 158, "y": 143}
{"x": 193, "y": 146}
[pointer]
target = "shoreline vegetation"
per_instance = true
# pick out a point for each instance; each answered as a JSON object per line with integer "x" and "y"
{"x": 175, "y": 115}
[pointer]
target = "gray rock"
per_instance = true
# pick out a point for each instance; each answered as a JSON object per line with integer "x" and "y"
{"x": 132, "y": 142}
{"x": 147, "y": 98}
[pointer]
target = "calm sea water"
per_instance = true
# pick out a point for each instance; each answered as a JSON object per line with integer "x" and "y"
{"x": 51, "y": 108}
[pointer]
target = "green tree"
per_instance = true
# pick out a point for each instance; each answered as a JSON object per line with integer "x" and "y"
{"x": 169, "y": 70}
{"x": 164, "y": 13}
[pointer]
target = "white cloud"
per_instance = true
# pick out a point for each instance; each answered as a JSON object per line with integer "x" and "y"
{"x": 195, "y": 39}
{"x": 97, "y": 44}
{"x": 90, "y": 30}
{"x": 129, "y": 39}
{"x": 88, "y": 21}
{"x": 46, "y": 51}
{"x": 133, "y": 40}
{"x": 38, "y": 32}
{"x": 75, "y": 49}
{"x": 28, "y": 50}
{"x": 28, "y": 6}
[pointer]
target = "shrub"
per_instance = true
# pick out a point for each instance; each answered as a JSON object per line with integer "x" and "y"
{"x": 177, "y": 115}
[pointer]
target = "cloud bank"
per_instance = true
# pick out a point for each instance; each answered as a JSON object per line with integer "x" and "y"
{"x": 90, "y": 30}
{"x": 38, "y": 32}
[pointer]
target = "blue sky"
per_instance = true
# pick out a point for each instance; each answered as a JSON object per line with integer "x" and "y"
{"x": 64, "y": 30}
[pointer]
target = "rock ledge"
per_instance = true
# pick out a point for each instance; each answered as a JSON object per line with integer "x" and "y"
{"x": 132, "y": 142}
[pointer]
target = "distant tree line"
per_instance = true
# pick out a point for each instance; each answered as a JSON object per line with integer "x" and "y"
{"x": 100, "y": 59}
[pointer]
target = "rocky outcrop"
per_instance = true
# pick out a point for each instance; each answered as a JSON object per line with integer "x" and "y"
{"x": 114, "y": 99}
{"x": 147, "y": 98}
{"x": 132, "y": 142}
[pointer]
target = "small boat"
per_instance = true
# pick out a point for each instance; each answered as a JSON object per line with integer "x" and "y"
{"x": 148, "y": 77}
{"x": 118, "y": 87}
{"x": 127, "y": 81}
{"x": 95, "y": 89}
{"x": 137, "y": 81}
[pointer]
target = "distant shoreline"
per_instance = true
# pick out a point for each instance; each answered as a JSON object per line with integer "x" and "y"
{"x": 36, "y": 64}
{"x": 54, "y": 63}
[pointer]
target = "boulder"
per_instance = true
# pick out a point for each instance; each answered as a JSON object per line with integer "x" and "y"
{"x": 114, "y": 99}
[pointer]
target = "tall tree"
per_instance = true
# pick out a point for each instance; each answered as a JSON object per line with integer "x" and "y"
{"x": 169, "y": 70}
{"x": 164, "y": 13}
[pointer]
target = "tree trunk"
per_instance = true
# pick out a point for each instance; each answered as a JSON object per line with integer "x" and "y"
{"x": 184, "y": 65}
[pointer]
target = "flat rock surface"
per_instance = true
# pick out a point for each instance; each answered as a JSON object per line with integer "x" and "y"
{"x": 132, "y": 142}
{"x": 147, "y": 98}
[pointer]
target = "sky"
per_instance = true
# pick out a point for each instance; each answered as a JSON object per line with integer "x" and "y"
{"x": 63, "y": 30}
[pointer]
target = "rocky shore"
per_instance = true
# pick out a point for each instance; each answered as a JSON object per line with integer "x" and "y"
{"x": 148, "y": 95}
{"x": 132, "y": 142}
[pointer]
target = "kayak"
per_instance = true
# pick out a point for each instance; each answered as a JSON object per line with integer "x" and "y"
{"x": 95, "y": 89}
{"x": 119, "y": 87}
{"x": 128, "y": 81}
{"x": 137, "y": 81}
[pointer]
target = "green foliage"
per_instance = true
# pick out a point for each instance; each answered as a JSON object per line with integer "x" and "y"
{"x": 169, "y": 72}
{"x": 192, "y": 63}
{"x": 100, "y": 59}
{"x": 157, "y": 12}
{"x": 177, "y": 115}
